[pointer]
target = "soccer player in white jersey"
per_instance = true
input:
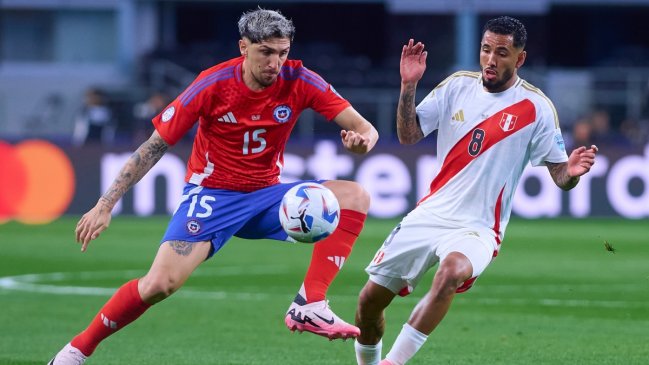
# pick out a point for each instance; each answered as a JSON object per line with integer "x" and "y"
{"x": 490, "y": 125}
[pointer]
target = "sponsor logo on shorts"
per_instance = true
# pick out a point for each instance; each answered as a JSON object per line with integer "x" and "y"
{"x": 193, "y": 226}
{"x": 379, "y": 257}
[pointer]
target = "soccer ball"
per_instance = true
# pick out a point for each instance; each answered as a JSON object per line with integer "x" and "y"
{"x": 309, "y": 212}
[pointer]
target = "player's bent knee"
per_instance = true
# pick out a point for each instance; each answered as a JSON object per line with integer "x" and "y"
{"x": 155, "y": 288}
{"x": 364, "y": 301}
{"x": 449, "y": 277}
{"x": 351, "y": 195}
{"x": 372, "y": 300}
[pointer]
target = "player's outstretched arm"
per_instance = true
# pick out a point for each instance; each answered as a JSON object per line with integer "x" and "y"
{"x": 97, "y": 219}
{"x": 357, "y": 134}
{"x": 411, "y": 67}
{"x": 566, "y": 175}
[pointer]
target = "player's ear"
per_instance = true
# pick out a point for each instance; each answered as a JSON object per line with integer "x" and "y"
{"x": 243, "y": 47}
{"x": 521, "y": 59}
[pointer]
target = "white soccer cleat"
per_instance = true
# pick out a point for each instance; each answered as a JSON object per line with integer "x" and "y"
{"x": 318, "y": 318}
{"x": 69, "y": 355}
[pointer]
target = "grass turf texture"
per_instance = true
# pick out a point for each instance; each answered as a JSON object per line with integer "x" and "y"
{"x": 555, "y": 295}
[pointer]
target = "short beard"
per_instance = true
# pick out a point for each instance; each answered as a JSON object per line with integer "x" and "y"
{"x": 263, "y": 83}
{"x": 497, "y": 86}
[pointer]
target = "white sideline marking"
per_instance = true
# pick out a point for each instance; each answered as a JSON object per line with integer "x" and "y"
{"x": 34, "y": 283}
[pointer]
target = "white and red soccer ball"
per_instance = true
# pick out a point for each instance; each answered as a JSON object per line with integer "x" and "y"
{"x": 309, "y": 212}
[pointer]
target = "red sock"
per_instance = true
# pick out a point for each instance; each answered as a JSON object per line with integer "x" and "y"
{"x": 330, "y": 254}
{"x": 122, "y": 308}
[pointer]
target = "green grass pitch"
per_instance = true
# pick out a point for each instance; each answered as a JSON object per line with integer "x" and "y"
{"x": 555, "y": 295}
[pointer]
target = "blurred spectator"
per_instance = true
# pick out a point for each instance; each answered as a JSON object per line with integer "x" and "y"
{"x": 52, "y": 109}
{"x": 603, "y": 134}
{"x": 601, "y": 122}
{"x": 582, "y": 134}
{"x": 145, "y": 111}
{"x": 636, "y": 132}
{"x": 46, "y": 115}
{"x": 94, "y": 124}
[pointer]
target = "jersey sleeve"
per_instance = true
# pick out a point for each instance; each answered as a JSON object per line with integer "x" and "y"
{"x": 428, "y": 110}
{"x": 321, "y": 96}
{"x": 181, "y": 115}
{"x": 547, "y": 142}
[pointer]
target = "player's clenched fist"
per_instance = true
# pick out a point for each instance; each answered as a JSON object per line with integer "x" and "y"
{"x": 354, "y": 142}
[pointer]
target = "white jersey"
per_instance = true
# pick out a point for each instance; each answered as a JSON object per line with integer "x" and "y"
{"x": 484, "y": 142}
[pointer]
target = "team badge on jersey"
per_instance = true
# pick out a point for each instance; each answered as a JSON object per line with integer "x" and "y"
{"x": 193, "y": 226}
{"x": 508, "y": 122}
{"x": 282, "y": 113}
{"x": 168, "y": 114}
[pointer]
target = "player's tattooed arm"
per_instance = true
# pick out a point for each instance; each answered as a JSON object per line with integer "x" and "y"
{"x": 566, "y": 174}
{"x": 97, "y": 219}
{"x": 559, "y": 173}
{"x": 411, "y": 67}
{"x": 408, "y": 128}
{"x": 140, "y": 162}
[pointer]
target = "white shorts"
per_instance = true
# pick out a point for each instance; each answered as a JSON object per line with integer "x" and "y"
{"x": 419, "y": 242}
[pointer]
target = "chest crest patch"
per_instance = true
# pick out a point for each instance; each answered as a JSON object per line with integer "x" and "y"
{"x": 282, "y": 113}
{"x": 508, "y": 121}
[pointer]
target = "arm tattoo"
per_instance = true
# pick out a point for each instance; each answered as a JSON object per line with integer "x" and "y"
{"x": 183, "y": 248}
{"x": 140, "y": 162}
{"x": 408, "y": 128}
{"x": 559, "y": 173}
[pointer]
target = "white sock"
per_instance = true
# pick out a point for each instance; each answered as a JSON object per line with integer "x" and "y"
{"x": 406, "y": 346}
{"x": 368, "y": 354}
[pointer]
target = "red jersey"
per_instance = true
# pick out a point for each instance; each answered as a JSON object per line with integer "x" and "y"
{"x": 242, "y": 133}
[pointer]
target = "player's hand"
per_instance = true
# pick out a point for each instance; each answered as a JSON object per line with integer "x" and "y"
{"x": 355, "y": 142}
{"x": 92, "y": 224}
{"x": 581, "y": 160}
{"x": 413, "y": 62}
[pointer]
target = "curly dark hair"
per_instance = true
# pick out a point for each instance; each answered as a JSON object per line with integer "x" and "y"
{"x": 507, "y": 25}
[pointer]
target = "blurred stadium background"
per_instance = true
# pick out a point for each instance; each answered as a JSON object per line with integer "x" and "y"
{"x": 556, "y": 293}
{"x": 118, "y": 62}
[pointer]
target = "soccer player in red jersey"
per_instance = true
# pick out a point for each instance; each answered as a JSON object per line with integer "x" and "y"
{"x": 245, "y": 109}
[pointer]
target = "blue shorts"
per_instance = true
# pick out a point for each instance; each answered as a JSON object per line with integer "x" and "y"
{"x": 216, "y": 215}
